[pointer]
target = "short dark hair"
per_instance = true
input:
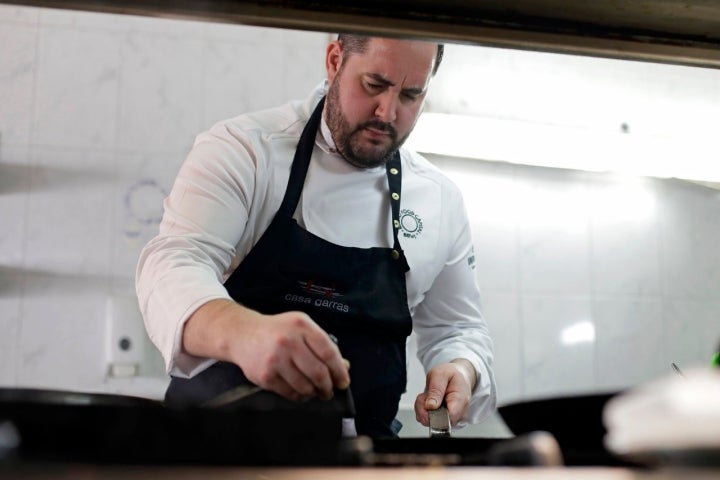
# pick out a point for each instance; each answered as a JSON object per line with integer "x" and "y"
{"x": 358, "y": 44}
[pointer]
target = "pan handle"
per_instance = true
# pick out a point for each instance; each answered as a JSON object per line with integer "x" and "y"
{"x": 534, "y": 449}
{"x": 440, "y": 422}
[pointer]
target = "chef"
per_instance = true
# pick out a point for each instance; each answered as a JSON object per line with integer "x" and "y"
{"x": 290, "y": 224}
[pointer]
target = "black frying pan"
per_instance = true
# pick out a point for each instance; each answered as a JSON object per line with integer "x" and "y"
{"x": 56, "y": 425}
{"x": 575, "y": 422}
{"x": 61, "y": 397}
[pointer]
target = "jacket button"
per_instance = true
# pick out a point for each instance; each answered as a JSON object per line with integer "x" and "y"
{"x": 396, "y": 223}
{"x": 394, "y": 171}
{"x": 395, "y": 254}
{"x": 395, "y": 196}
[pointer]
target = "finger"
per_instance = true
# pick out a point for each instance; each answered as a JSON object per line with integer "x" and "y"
{"x": 457, "y": 406}
{"x": 280, "y": 386}
{"x": 421, "y": 413}
{"x": 325, "y": 349}
{"x": 314, "y": 371}
{"x": 436, "y": 384}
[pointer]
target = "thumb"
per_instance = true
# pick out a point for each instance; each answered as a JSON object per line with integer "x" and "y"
{"x": 435, "y": 394}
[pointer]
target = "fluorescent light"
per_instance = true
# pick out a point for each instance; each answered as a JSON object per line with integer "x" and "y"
{"x": 686, "y": 157}
{"x": 582, "y": 332}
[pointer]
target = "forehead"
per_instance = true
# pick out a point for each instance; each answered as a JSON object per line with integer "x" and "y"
{"x": 407, "y": 61}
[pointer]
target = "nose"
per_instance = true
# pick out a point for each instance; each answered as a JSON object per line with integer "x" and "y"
{"x": 386, "y": 109}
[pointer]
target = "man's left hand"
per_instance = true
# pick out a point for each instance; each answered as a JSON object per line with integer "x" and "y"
{"x": 452, "y": 382}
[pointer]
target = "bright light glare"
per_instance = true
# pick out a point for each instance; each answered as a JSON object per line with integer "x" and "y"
{"x": 691, "y": 158}
{"x": 582, "y": 332}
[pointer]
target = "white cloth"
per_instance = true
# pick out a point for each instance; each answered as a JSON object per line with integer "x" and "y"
{"x": 230, "y": 187}
{"x": 668, "y": 414}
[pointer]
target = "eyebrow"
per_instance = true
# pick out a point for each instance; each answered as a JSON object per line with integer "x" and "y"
{"x": 376, "y": 77}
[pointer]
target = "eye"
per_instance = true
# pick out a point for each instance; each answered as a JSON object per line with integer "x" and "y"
{"x": 373, "y": 86}
{"x": 410, "y": 96}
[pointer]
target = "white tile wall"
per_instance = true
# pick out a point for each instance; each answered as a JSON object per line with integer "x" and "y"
{"x": 503, "y": 315}
{"x": 97, "y": 112}
{"x": 10, "y": 314}
{"x": 550, "y": 366}
{"x": 14, "y": 186}
{"x": 77, "y": 78}
{"x": 554, "y": 232}
{"x": 690, "y": 236}
{"x": 62, "y": 332}
{"x": 161, "y": 91}
{"x": 68, "y": 222}
{"x": 17, "y": 51}
{"x": 625, "y": 243}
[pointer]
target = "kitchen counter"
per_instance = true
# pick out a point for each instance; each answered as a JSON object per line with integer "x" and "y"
{"x": 87, "y": 472}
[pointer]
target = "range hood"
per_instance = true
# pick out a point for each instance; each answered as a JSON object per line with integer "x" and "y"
{"x": 672, "y": 31}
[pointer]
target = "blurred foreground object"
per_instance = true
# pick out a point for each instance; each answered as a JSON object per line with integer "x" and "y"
{"x": 671, "y": 420}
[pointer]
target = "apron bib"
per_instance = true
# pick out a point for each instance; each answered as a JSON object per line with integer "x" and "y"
{"x": 356, "y": 294}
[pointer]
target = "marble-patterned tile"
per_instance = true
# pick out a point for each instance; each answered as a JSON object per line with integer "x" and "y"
{"x": 692, "y": 332}
{"x": 490, "y": 196}
{"x": 553, "y": 229}
{"x": 14, "y": 190}
{"x": 19, "y": 14}
{"x": 245, "y": 34}
{"x": 62, "y": 337}
{"x": 305, "y": 38}
{"x": 232, "y": 88}
{"x": 118, "y": 22}
{"x": 77, "y": 88}
{"x": 690, "y": 236}
{"x": 160, "y": 93}
{"x": 302, "y": 66}
{"x": 142, "y": 182}
{"x": 558, "y": 335}
{"x": 502, "y": 314}
{"x": 68, "y": 219}
{"x": 10, "y": 312}
{"x": 17, "y": 73}
{"x": 630, "y": 341}
{"x": 625, "y": 236}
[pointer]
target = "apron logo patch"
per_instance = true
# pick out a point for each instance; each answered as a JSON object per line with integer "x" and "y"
{"x": 411, "y": 224}
{"x": 311, "y": 290}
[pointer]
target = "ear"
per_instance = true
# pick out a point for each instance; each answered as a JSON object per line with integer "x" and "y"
{"x": 333, "y": 59}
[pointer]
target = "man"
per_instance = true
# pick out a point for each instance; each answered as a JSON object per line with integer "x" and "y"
{"x": 292, "y": 223}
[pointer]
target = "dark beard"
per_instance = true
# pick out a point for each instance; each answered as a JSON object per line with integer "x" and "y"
{"x": 345, "y": 137}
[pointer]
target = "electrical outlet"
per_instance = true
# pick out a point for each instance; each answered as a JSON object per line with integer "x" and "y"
{"x": 125, "y": 336}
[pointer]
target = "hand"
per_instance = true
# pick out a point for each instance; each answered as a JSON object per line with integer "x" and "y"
{"x": 286, "y": 353}
{"x": 452, "y": 382}
{"x": 291, "y": 355}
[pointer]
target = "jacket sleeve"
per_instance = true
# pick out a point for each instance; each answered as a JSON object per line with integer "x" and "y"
{"x": 182, "y": 268}
{"x": 448, "y": 322}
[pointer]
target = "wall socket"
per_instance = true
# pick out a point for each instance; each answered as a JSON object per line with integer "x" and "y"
{"x": 126, "y": 336}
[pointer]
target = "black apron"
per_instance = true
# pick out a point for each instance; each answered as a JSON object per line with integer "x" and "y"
{"x": 356, "y": 294}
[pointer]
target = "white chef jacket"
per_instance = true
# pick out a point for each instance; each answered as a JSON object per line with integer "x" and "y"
{"x": 230, "y": 187}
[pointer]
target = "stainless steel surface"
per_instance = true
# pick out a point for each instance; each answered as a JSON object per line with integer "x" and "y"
{"x": 440, "y": 423}
{"x": 674, "y": 31}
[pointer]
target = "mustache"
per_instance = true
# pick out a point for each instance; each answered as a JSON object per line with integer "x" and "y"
{"x": 378, "y": 125}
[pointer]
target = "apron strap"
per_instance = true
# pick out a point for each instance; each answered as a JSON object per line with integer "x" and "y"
{"x": 394, "y": 176}
{"x": 301, "y": 161}
{"x": 299, "y": 169}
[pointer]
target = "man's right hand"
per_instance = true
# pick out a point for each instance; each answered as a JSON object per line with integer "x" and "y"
{"x": 286, "y": 353}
